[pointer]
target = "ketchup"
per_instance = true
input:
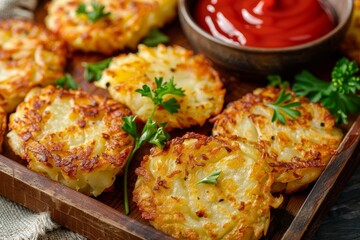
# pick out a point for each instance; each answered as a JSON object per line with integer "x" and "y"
{"x": 264, "y": 23}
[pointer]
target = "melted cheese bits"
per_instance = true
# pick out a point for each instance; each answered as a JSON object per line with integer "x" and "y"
{"x": 168, "y": 194}
{"x": 298, "y": 150}
{"x": 29, "y": 56}
{"x": 71, "y": 137}
{"x": 128, "y": 22}
{"x": 204, "y": 92}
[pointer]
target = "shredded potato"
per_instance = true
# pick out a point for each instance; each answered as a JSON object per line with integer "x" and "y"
{"x": 128, "y": 22}
{"x": 71, "y": 137}
{"x": 298, "y": 150}
{"x": 29, "y": 56}
{"x": 204, "y": 92}
{"x": 168, "y": 194}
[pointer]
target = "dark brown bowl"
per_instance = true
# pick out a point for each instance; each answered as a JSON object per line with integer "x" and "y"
{"x": 265, "y": 60}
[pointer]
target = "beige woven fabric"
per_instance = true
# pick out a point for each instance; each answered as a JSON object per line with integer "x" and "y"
{"x": 19, "y": 223}
{"x": 17, "y": 9}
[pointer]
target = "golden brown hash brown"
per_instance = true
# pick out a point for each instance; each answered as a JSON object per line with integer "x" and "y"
{"x": 2, "y": 126}
{"x": 168, "y": 194}
{"x": 129, "y": 21}
{"x": 298, "y": 150}
{"x": 351, "y": 43}
{"x": 72, "y": 137}
{"x": 204, "y": 92}
{"x": 29, "y": 56}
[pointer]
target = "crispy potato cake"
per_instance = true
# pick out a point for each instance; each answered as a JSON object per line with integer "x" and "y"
{"x": 298, "y": 150}
{"x": 30, "y": 56}
{"x": 204, "y": 92}
{"x": 72, "y": 137}
{"x": 351, "y": 44}
{"x": 2, "y": 126}
{"x": 128, "y": 22}
{"x": 169, "y": 195}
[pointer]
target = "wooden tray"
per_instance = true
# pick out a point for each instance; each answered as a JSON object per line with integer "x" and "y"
{"x": 104, "y": 218}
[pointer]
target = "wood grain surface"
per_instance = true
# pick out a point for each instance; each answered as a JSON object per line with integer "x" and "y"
{"x": 104, "y": 218}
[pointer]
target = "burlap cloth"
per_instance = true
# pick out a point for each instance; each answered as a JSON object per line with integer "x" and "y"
{"x": 17, "y": 8}
{"x": 17, "y": 223}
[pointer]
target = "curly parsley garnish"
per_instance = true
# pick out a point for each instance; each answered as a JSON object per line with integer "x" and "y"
{"x": 67, "y": 82}
{"x": 212, "y": 178}
{"x": 152, "y": 132}
{"x": 281, "y": 108}
{"x": 93, "y": 71}
{"x": 96, "y": 14}
{"x": 339, "y": 95}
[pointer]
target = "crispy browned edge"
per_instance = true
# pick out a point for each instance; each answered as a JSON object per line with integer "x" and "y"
{"x": 96, "y": 220}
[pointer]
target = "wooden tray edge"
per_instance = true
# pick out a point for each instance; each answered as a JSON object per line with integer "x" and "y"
{"x": 307, "y": 220}
{"x": 82, "y": 214}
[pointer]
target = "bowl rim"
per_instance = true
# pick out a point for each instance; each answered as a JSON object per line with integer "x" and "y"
{"x": 184, "y": 11}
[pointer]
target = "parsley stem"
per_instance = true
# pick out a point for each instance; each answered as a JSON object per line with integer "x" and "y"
{"x": 126, "y": 197}
{"x": 152, "y": 132}
{"x": 153, "y": 111}
{"x": 138, "y": 144}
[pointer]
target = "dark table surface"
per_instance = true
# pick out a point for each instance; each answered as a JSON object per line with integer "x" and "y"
{"x": 343, "y": 219}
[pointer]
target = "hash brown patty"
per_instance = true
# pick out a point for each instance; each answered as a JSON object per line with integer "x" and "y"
{"x": 71, "y": 137}
{"x": 29, "y": 56}
{"x": 204, "y": 92}
{"x": 298, "y": 150}
{"x": 168, "y": 194}
{"x": 128, "y": 22}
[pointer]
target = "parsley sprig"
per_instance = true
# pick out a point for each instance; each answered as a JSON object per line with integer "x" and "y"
{"x": 154, "y": 37}
{"x": 93, "y": 71}
{"x": 152, "y": 132}
{"x": 276, "y": 81}
{"x": 339, "y": 95}
{"x": 281, "y": 108}
{"x": 67, "y": 82}
{"x": 96, "y": 14}
{"x": 211, "y": 179}
{"x": 162, "y": 89}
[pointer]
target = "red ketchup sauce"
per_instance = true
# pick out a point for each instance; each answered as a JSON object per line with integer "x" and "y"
{"x": 264, "y": 23}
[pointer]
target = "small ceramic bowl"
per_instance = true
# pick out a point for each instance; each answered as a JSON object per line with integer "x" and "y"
{"x": 265, "y": 60}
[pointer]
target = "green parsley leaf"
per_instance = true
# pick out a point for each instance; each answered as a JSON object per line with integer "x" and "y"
{"x": 93, "y": 71}
{"x": 67, "y": 82}
{"x": 130, "y": 126}
{"x": 211, "y": 179}
{"x": 157, "y": 95}
{"x": 81, "y": 9}
{"x": 343, "y": 78}
{"x": 308, "y": 85}
{"x": 96, "y": 14}
{"x": 160, "y": 137}
{"x": 280, "y": 108}
{"x": 339, "y": 95}
{"x": 152, "y": 132}
{"x": 276, "y": 81}
{"x": 171, "y": 105}
{"x": 154, "y": 37}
